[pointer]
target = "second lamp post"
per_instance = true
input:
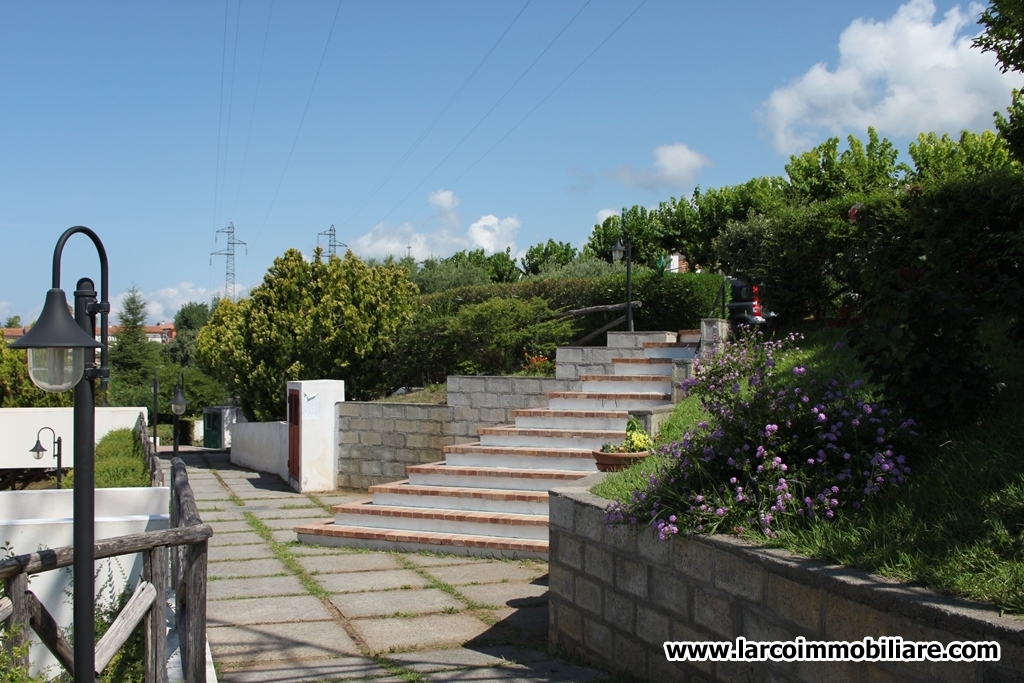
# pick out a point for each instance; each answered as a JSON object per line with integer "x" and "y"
{"x": 617, "y": 252}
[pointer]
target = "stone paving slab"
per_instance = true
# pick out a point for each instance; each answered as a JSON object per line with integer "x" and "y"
{"x": 531, "y": 622}
{"x": 486, "y": 572}
{"x": 266, "y": 610}
{"x": 314, "y": 513}
{"x": 430, "y": 631}
{"x": 284, "y": 535}
{"x": 234, "y": 538}
{"x": 265, "y": 567}
{"x": 253, "y": 586}
{"x": 222, "y": 553}
{"x": 386, "y": 603}
{"x": 440, "y": 560}
{"x": 264, "y": 503}
{"x": 222, "y": 516}
{"x": 270, "y": 642}
{"x": 552, "y": 672}
{"x": 462, "y": 657}
{"x": 507, "y": 594}
{"x": 344, "y": 668}
{"x": 289, "y": 523}
{"x": 224, "y": 527}
{"x": 354, "y": 582}
{"x": 354, "y": 562}
{"x": 302, "y": 549}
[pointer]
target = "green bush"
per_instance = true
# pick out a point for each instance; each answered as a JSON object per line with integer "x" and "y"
{"x": 119, "y": 461}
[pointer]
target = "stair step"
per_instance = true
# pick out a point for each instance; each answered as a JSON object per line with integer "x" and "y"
{"x": 522, "y": 457}
{"x": 607, "y": 400}
{"x": 627, "y": 383}
{"x": 442, "y": 474}
{"x": 547, "y": 418}
{"x": 672, "y": 350}
{"x": 516, "y": 437}
{"x": 460, "y": 498}
{"x": 643, "y": 366}
{"x": 502, "y": 524}
{"x": 330, "y": 534}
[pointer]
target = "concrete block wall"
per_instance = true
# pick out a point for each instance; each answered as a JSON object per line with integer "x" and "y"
{"x": 573, "y": 361}
{"x": 616, "y": 595}
{"x": 377, "y": 440}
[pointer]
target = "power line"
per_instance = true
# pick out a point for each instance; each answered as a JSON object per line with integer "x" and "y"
{"x": 252, "y": 114}
{"x": 229, "y": 251}
{"x": 301, "y": 120}
{"x": 538, "y": 105}
{"x": 394, "y": 169}
{"x": 488, "y": 113}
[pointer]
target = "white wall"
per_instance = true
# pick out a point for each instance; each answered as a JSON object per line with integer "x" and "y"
{"x": 19, "y": 427}
{"x": 261, "y": 446}
{"x": 318, "y": 434}
{"x": 34, "y": 520}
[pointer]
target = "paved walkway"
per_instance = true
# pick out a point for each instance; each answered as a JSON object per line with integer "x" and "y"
{"x": 280, "y": 611}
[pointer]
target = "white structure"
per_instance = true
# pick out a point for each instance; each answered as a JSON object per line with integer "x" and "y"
{"x": 303, "y": 449}
{"x": 39, "y": 520}
{"x": 20, "y": 426}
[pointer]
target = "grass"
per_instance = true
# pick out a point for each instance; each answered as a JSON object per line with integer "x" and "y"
{"x": 432, "y": 393}
{"x": 119, "y": 462}
{"x": 956, "y": 527}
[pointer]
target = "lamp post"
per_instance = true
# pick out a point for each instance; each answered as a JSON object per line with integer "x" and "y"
{"x": 617, "y": 252}
{"x": 38, "y": 450}
{"x": 178, "y": 404}
{"x": 61, "y": 355}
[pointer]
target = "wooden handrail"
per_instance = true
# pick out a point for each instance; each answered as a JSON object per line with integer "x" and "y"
{"x": 55, "y": 558}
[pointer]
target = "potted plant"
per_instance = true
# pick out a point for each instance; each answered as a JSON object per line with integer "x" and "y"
{"x": 636, "y": 446}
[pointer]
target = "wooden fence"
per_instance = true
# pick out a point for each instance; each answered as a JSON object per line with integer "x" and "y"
{"x": 156, "y": 470}
{"x": 187, "y": 539}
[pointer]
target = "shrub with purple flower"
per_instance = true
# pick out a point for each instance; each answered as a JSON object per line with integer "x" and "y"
{"x": 777, "y": 447}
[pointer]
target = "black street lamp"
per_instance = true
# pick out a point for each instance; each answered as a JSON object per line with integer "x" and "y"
{"x": 617, "y": 252}
{"x": 61, "y": 355}
{"x": 38, "y": 450}
{"x": 178, "y": 405}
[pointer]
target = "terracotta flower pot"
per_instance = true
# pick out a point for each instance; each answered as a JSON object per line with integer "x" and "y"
{"x": 616, "y": 462}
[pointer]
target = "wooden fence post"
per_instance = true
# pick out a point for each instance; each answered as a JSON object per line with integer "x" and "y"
{"x": 19, "y": 623}
{"x": 154, "y": 571}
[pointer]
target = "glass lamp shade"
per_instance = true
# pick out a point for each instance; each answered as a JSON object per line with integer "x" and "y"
{"x": 56, "y": 345}
{"x": 37, "y": 450}
{"x": 56, "y": 369}
{"x": 178, "y": 403}
{"x": 618, "y": 250}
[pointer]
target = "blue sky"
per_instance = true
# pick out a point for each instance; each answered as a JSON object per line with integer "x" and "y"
{"x": 428, "y": 127}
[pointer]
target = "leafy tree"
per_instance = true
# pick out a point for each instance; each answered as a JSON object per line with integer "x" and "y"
{"x": 503, "y": 267}
{"x": 189, "y": 319}
{"x": 642, "y": 228}
{"x": 1011, "y": 127}
{"x": 1004, "y": 33}
{"x": 333, "y": 319}
{"x": 693, "y": 226}
{"x": 440, "y": 275}
{"x": 823, "y": 173}
{"x": 547, "y": 254}
{"x": 18, "y": 391}
{"x": 942, "y": 158}
{"x": 13, "y": 321}
{"x": 133, "y": 358}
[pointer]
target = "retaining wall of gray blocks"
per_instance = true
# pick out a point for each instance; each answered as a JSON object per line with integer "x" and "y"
{"x": 615, "y": 595}
{"x": 376, "y": 441}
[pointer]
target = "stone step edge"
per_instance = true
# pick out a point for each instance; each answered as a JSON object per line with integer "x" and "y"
{"x": 329, "y": 528}
{"x": 568, "y": 412}
{"x": 509, "y": 430}
{"x": 503, "y": 472}
{"x": 405, "y": 488}
{"x": 632, "y": 396}
{"x": 623, "y": 378}
{"x": 645, "y": 361}
{"x": 525, "y": 451}
{"x": 670, "y": 345}
{"x": 367, "y": 507}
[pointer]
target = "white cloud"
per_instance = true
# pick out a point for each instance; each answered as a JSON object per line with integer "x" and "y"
{"x": 493, "y": 234}
{"x": 675, "y": 166}
{"x": 605, "y": 213}
{"x": 162, "y": 304}
{"x": 905, "y": 75}
{"x": 445, "y": 202}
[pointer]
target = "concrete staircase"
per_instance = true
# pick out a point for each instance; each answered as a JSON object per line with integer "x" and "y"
{"x": 490, "y": 497}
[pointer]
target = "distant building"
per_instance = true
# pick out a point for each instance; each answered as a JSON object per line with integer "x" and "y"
{"x": 161, "y": 334}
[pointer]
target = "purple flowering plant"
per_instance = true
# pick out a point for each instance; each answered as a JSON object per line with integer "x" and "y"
{"x": 779, "y": 445}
